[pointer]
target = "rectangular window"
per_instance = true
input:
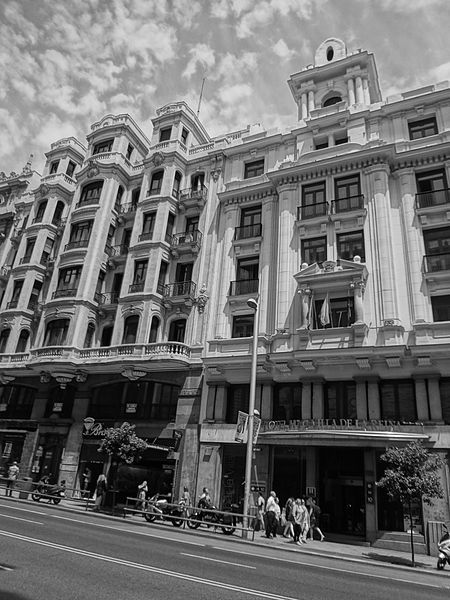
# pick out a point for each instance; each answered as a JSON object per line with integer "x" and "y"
{"x": 432, "y": 189}
{"x": 441, "y": 308}
{"x": 313, "y": 200}
{"x": 243, "y": 326}
{"x": 250, "y": 224}
{"x": 34, "y": 296}
{"x": 148, "y": 225}
{"x": 104, "y": 146}
{"x": 192, "y": 224}
{"x": 81, "y": 231}
{"x": 165, "y": 134}
{"x": 237, "y": 399}
{"x": 140, "y": 271}
{"x": 287, "y": 402}
{"x": 254, "y": 168}
{"x": 184, "y": 135}
{"x": 350, "y": 245}
{"x": 46, "y": 253}
{"x": 70, "y": 168}
{"x": 69, "y": 278}
{"x": 54, "y": 167}
{"x": 340, "y": 138}
{"x": 29, "y": 249}
{"x": 422, "y": 128}
{"x": 130, "y": 149}
{"x": 340, "y": 400}
{"x": 320, "y": 144}
{"x": 398, "y": 400}
{"x": 162, "y": 277}
{"x": 164, "y": 402}
{"x": 338, "y": 312}
{"x": 314, "y": 250}
{"x": 347, "y": 187}
{"x": 247, "y": 276}
{"x": 17, "y": 289}
{"x": 169, "y": 228}
{"x": 437, "y": 249}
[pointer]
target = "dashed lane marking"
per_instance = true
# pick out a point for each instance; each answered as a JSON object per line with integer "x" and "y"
{"x": 224, "y": 562}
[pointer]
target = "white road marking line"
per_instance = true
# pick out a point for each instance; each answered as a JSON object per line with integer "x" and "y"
{"x": 20, "y": 519}
{"x": 35, "y": 512}
{"x": 335, "y": 569}
{"x": 225, "y": 562}
{"x": 126, "y": 563}
{"x": 3, "y": 568}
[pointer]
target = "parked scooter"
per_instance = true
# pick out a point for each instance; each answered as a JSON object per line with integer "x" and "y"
{"x": 51, "y": 492}
{"x": 211, "y": 519}
{"x": 158, "y": 507}
{"x": 444, "y": 550}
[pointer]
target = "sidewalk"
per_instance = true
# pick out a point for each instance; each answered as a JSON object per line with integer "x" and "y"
{"x": 328, "y": 549}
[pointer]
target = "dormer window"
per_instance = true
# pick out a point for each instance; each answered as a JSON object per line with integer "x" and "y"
{"x": 332, "y": 100}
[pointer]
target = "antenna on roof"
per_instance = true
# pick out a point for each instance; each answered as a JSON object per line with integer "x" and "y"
{"x": 201, "y": 96}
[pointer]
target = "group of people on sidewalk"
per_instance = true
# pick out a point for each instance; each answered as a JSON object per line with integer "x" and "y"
{"x": 299, "y": 518}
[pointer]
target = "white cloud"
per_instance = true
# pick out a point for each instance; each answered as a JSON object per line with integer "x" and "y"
{"x": 410, "y": 5}
{"x": 202, "y": 56}
{"x": 282, "y": 51}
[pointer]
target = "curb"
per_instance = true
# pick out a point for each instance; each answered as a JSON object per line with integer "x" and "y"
{"x": 204, "y": 534}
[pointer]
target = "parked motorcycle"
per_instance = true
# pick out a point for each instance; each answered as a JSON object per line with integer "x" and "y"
{"x": 211, "y": 518}
{"x": 158, "y": 507}
{"x": 51, "y": 492}
{"x": 444, "y": 550}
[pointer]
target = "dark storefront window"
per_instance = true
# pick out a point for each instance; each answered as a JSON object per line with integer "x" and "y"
{"x": 398, "y": 401}
{"x": 237, "y": 399}
{"x": 444, "y": 385}
{"x": 16, "y": 401}
{"x": 60, "y": 403}
{"x": 340, "y": 400}
{"x": 287, "y": 402}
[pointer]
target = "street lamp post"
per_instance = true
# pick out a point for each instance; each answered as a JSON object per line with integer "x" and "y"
{"x": 253, "y": 304}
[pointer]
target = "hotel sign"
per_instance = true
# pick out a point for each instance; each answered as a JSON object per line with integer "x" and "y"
{"x": 335, "y": 424}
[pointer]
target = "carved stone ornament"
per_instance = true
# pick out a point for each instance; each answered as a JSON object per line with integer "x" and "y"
{"x": 80, "y": 376}
{"x": 27, "y": 168}
{"x": 43, "y": 190}
{"x": 133, "y": 374}
{"x": 202, "y": 299}
{"x": 215, "y": 174}
{"x": 92, "y": 171}
{"x": 45, "y": 377}
{"x": 158, "y": 158}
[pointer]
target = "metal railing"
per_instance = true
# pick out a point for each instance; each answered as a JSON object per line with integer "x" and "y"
{"x": 243, "y": 286}
{"x": 120, "y": 250}
{"x": 436, "y": 262}
{"x": 248, "y": 231}
{"x": 340, "y": 205}
{"x": 199, "y": 193}
{"x": 182, "y": 288}
{"x": 187, "y": 237}
{"x": 147, "y": 236}
{"x": 136, "y": 287}
{"x": 88, "y": 202}
{"x": 76, "y": 244}
{"x": 434, "y": 198}
{"x": 129, "y": 207}
{"x": 64, "y": 293}
{"x": 109, "y": 298}
{"x": 311, "y": 211}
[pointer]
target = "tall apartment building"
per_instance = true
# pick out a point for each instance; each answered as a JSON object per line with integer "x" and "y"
{"x": 128, "y": 266}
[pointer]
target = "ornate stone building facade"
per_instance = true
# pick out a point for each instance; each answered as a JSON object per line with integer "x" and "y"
{"x": 128, "y": 266}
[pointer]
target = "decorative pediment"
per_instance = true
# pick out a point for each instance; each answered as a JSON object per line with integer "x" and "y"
{"x": 332, "y": 275}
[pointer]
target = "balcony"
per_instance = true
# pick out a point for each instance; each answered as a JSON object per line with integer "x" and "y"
{"x": 193, "y": 198}
{"x": 352, "y": 203}
{"x": 181, "y": 288}
{"x": 88, "y": 202}
{"x": 36, "y": 220}
{"x": 12, "y": 304}
{"x": 25, "y": 260}
{"x": 146, "y": 237}
{"x": 128, "y": 208}
{"x": 243, "y": 287}
{"x": 136, "y": 288}
{"x": 312, "y": 211}
{"x": 248, "y": 231}
{"x": 75, "y": 245}
{"x": 121, "y": 250}
{"x": 434, "y": 198}
{"x": 64, "y": 293}
{"x": 189, "y": 241}
{"x": 434, "y": 263}
{"x": 108, "y": 298}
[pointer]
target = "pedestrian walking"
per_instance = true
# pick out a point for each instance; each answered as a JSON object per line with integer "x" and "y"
{"x": 13, "y": 476}
{"x": 142, "y": 495}
{"x": 277, "y": 515}
{"x": 100, "y": 492}
{"x": 314, "y": 518}
{"x": 186, "y": 497}
{"x": 288, "y": 525}
{"x": 298, "y": 517}
{"x": 271, "y": 516}
{"x": 86, "y": 482}
{"x": 305, "y": 524}
{"x": 260, "y": 503}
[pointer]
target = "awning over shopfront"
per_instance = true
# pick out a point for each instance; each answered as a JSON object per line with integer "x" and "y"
{"x": 341, "y": 437}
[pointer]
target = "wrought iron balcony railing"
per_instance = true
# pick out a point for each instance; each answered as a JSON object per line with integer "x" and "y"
{"x": 434, "y": 198}
{"x": 180, "y": 288}
{"x": 311, "y": 211}
{"x": 136, "y": 287}
{"x": 340, "y": 205}
{"x": 88, "y": 202}
{"x": 248, "y": 231}
{"x": 76, "y": 244}
{"x": 109, "y": 298}
{"x": 145, "y": 237}
{"x": 436, "y": 262}
{"x": 64, "y": 293}
{"x": 187, "y": 237}
{"x": 243, "y": 286}
{"x": 129, "y": 207}
{"x": 199, "y": 193}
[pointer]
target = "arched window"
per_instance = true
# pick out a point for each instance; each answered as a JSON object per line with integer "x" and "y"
{"x": 23, "y": 340}
{"x": 332, "y": 100}
{"x": 4, "y": 336}
{"x": 91, "y": 192}
{"x": 156, "y": 183}
{"x": 56, "y": 332}
{"x": 130, "y": 330}
{"x": 177, "y": 331}
{"x": 107, "y": 335}
{"x": 197, "y": 181}
{"x": 154, "y": 330}
{"x": 58, "y": 212}
{"x": 40, "y": 212}
{"x": 90, "y": 332}
{"x": 176, "y": 184}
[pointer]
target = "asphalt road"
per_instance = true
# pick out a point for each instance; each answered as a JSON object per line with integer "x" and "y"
{"x": 50, "y": 554}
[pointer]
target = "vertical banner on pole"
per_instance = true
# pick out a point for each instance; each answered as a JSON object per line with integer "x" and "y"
{"x": 256, "y": 427}
{"x": 241, "y": 426}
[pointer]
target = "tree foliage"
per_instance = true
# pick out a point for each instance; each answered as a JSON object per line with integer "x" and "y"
{"x": 412, "y": 474}
{"x": 123, "y": 444}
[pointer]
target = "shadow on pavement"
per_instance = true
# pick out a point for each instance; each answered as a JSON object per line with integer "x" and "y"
{"x": 394, "y": 560}
{"x": 6, "y": 595}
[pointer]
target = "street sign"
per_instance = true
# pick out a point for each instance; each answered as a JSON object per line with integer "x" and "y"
{"x": 241, "y": 426}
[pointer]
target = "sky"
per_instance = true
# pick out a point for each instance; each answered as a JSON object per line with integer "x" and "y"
{"x": 67, "y": 63}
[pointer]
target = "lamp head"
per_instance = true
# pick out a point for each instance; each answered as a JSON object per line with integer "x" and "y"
{"x": 252, "y": 303}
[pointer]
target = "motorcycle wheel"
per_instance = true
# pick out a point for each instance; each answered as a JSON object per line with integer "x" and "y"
{"x": 440, "y": 563}
{"x": 150, "y": 517}
{"x": 228, "y": 529}
{"x": 36, "y": 497}
{"x": 56, "y": 500}
{"x": 193, "y": 524}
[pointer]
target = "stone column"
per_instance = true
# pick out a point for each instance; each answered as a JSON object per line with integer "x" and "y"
{"x": 304, "y": 106}
{"x": 381, "y": 231}
{"x": 306, "y": 399}
{"x": 311, "y": 104}
{"x": 351, "y": 91}
{"x": 434, "y": 398}
{"x": 74, "y": 441}
{"x": 306, "y": 300}
{"x": 359, "y": 90}
{"x": 267, "y": 402}
{"x": 317, "y": 401}
{"x": 361, "y": 399}
{"x": 287, "y": 255}
{"x": 267, "y": 278}
{"x": 373, "y": 395}
{"x": 220, "y": 408}
{"x": 358, "y": 292}
{"x": 417, "y": 303}
{"x": 366, "y": 92}
{"x": 423, "y": 413}
{"x": 330, "y": 140}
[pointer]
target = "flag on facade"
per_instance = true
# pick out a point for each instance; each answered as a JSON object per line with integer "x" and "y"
{"x": 241, "y": 426}
{"x": 325, "y": 312}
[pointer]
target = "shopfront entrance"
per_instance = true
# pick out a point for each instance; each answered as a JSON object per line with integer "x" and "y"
{"x": 289, "y": 467}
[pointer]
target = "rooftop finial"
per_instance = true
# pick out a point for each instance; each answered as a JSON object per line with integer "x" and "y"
{"x": 27, "y": 167}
